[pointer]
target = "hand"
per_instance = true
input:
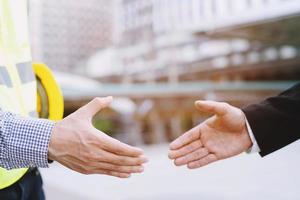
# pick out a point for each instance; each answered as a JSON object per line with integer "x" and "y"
{"x": 221, "y": 136}
{"x": 76, "y": 144}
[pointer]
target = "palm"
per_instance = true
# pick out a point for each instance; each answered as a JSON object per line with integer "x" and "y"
{"x": 221, "y": 136}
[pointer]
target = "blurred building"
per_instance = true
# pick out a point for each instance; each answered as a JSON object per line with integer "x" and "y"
{"x": 167, "y": 41}
{"x": 165, "y": 54}
{"x": 163, "y": 40}
{"x": 200, "y": 41}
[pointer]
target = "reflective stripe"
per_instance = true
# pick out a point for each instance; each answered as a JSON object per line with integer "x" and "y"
{"x": 25, "y": 72}
{"x": 9, "y": 177}
{"x": 4, "y": 77}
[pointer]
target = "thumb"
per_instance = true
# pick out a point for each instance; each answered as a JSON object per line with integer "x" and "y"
{"x": 94, "y": 106}
{"x": 218, "y": 108}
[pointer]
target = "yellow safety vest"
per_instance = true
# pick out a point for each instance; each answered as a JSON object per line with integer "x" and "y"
{"x": 17, "y": 81}
{"x": 18, "y": 86}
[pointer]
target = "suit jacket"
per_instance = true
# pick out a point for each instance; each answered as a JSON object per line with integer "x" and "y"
{"x": 275, "y": 122}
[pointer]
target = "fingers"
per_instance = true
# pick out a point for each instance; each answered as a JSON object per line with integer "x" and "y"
{"x": 196, "y": 155}
{"x": 119, "y": 168}
{"x": 111, "y": 173}
{"x": 84, "y": 170}
{"x": 122, "y": 160}
{"x": 186, "y": 138}
{"x": 114, "y": 146}
{"x": 118, "y": 153}
{"x": 202, "y": 162}
{"x": 173, "y": 154}
{"x": 114, "y": 168}
{"x": 91, "y": 167}
{"x": 94, "y": 106}
{"x": 218, "y": 108}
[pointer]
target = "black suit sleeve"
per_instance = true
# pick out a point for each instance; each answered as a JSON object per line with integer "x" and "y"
{"x": 275, "y": 122}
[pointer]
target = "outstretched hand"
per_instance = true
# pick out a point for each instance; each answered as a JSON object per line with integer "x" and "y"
{"x": 76, "y": 144}
{"x": 221, "y": 136}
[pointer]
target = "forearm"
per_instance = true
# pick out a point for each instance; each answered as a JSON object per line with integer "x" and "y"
{"x": 23, "y": 141}
{"x": 275, "y": 121}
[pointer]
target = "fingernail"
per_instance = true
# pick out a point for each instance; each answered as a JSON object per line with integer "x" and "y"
{"x": 106, "y": 100}
{"x": 141, "y": 169}
{"x": 191, "y": 166}
{"x": 197, "y": 102}
{"x": 109, "y": 98}
{"x": 179, "y": 162}
{"x": 144, "y": 159}
{"x": 127, "y": 175}
{"x": 140, "y": 150}
{"x": 173, "y": 145}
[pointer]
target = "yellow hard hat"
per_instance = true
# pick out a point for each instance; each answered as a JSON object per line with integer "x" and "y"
{"x": 50, "y": 102}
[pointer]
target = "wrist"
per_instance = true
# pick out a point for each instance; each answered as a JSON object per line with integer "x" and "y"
{"x": 52, "y": 143}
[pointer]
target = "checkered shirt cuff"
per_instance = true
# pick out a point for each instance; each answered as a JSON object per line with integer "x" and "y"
{"x": 24, "y": 141}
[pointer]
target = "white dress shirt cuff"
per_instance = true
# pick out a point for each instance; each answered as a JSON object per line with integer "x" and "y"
{"x": 255, "y": 148}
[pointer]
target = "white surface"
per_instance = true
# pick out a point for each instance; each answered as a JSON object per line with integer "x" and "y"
{"x": 275, "y": 177}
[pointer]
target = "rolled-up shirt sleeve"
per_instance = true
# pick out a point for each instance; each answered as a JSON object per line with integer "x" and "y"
{"x": 24, "y": 141}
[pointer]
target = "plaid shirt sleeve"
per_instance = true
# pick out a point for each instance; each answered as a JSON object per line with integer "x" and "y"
{"x": 24, "y": 141}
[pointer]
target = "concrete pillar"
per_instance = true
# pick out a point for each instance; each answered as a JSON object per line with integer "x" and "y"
{"x": 157, "y": 128}
{"x": 176, "y": 129}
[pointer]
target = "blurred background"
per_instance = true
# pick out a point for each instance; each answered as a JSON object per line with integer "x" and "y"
{"x": 156, "y": 57}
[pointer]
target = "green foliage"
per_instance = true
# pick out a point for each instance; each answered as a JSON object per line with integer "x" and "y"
{"x": 104, "y": 125}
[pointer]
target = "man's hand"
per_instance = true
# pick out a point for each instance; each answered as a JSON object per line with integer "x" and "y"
{"x": 221, "y": 136}
{"x": 76, "y": 144}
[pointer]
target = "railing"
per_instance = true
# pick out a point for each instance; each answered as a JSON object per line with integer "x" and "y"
{"x": 207, "y": 15}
